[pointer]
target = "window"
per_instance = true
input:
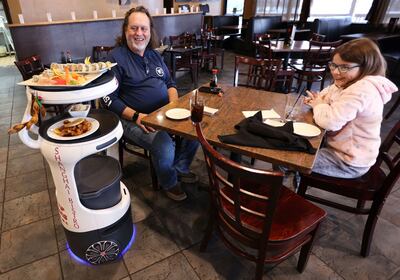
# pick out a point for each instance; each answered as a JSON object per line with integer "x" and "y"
{"x": 234, "y": 7}
{"x": 357, "y": 9}
{"x": 392, "y": 11}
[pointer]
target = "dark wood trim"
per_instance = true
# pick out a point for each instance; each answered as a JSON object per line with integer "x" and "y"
{"x": 7, "y": 11}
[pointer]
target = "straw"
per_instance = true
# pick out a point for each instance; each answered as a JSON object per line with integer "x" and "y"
{"x": 294, "y": 105}
{"x": 195, "y": 96}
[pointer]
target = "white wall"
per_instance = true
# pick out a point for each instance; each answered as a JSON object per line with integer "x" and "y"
{"x": 35, "y": 10}
{"x": 215, "y": 6}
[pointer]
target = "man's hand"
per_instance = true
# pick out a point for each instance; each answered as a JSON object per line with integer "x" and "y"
{"x": 146, "y": 129}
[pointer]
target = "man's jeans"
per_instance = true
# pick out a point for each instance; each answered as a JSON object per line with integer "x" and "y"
{"x": 167, "y": 163}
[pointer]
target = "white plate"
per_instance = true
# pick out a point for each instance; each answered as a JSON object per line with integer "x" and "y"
{"x": 306, "y": 130}
{"x": 53, "y": 135}
{"x": 300, "y": 128}
{"x": 274, "y": 123}
{"x": 178, "y": 114}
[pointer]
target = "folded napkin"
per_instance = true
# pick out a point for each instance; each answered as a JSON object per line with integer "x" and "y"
{"x": 253, "y": 132}
{"x": 266, "y": 114}
{"x": 209, "y": 111}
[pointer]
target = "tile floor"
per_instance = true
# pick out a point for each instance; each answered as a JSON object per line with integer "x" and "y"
{"x": 168, "y": 233}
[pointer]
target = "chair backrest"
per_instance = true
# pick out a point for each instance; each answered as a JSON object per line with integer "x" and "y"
{"x": 100, "y": 53}
{"x": 317, "y": 37}
{"x": 233, "y": 197}
{"x": 319, "y": 53}
{"x": 391, "y": 27}
{"x": 30, "y": 66}
{"x": 255, "y": 71}
{"x": 183, "y": 40}
{"x": 263, "y": 44}
{"x": 389, "y": 159}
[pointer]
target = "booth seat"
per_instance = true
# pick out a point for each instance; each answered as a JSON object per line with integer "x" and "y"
{"x": 389, "y": 47}
{"x": 218, "y": 21}
{"x": 256, "y": 25}
{"x": 332, "y": 27}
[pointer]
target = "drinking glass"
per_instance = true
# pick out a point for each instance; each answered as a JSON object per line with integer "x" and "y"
{"x": 293, "y": 107}
{"x": 196, "y": 108}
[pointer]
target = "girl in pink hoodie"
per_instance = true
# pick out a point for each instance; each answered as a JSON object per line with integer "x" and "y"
{"x": 351, "y": 109}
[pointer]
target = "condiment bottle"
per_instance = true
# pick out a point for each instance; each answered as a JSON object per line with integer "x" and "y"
{"x": 214, "y": 79}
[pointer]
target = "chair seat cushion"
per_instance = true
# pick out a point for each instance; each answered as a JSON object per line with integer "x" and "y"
{"x": 294, "y": 216}
{"x": 363, "y": 187}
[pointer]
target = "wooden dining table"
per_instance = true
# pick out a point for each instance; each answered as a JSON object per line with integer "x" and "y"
{"x": 230, "y": 107}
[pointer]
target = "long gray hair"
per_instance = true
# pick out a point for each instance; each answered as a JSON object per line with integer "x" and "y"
{"x": 121, "y": 41}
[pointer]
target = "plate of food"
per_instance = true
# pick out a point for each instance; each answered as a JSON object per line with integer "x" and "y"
{"x": 73, "y": 128}
{"x": 55, "y": 78}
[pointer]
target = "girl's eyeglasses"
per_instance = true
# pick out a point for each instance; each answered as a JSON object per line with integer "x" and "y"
{"x": 341, "y": 67}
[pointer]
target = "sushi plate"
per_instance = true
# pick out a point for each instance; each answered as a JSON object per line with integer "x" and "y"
{"x": 89, "y": 78}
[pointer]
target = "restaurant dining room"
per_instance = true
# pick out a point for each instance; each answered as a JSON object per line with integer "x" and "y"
{"x": 203, "y": 139}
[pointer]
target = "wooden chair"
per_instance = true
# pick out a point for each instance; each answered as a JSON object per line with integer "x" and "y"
{"x": 315, "y": 63}
{"x": 374, "y": 186}
{"x": 254, "y": 74}
{"x": 277, "y": 77}
{"x": 210, "y": 52}
{"x": 187, "y": 62}
{"x": 317, "y": 37}
{"x": 393, "y": 109}
{"x": 30, "y": 66}
{"x": 254, "y": 210}
{"x": 33, "y": 66}
{"x": 129, "y": 146}
{"x": 100, "y": 53}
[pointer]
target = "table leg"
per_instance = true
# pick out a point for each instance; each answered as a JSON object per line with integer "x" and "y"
{"x": 173, "y": 66}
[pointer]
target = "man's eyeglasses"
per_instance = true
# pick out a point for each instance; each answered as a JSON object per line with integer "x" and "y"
{"x": 341, "y": 67}
{"x": 146, "y": 63}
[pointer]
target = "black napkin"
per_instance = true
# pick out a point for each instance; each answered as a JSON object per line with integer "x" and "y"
{"x": 253, "y": 132}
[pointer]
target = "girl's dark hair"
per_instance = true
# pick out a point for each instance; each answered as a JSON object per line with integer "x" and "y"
{"x": 365, "y": 53}
{"x": 121, "y": 41}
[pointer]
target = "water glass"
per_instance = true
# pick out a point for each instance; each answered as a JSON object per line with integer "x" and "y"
{"x": 293, "y": 107}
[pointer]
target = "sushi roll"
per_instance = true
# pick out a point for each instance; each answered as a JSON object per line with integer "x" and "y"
{"x": 74, "y": 67}
{"x": 102, "y": 65}
{"x": 109, "y": 64}
{"x": 94, "y": 67}
{"x": 81, "y": 67}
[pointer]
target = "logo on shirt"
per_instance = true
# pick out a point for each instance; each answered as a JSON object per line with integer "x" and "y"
{"x": 160, "y": 71}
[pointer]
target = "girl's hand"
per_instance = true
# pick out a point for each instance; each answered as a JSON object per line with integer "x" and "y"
{"x": 315, "y": 101}
{"x": 312, "y": 94}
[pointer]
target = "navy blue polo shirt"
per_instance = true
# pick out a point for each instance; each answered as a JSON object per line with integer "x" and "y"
{"x": 143, "y": 81}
